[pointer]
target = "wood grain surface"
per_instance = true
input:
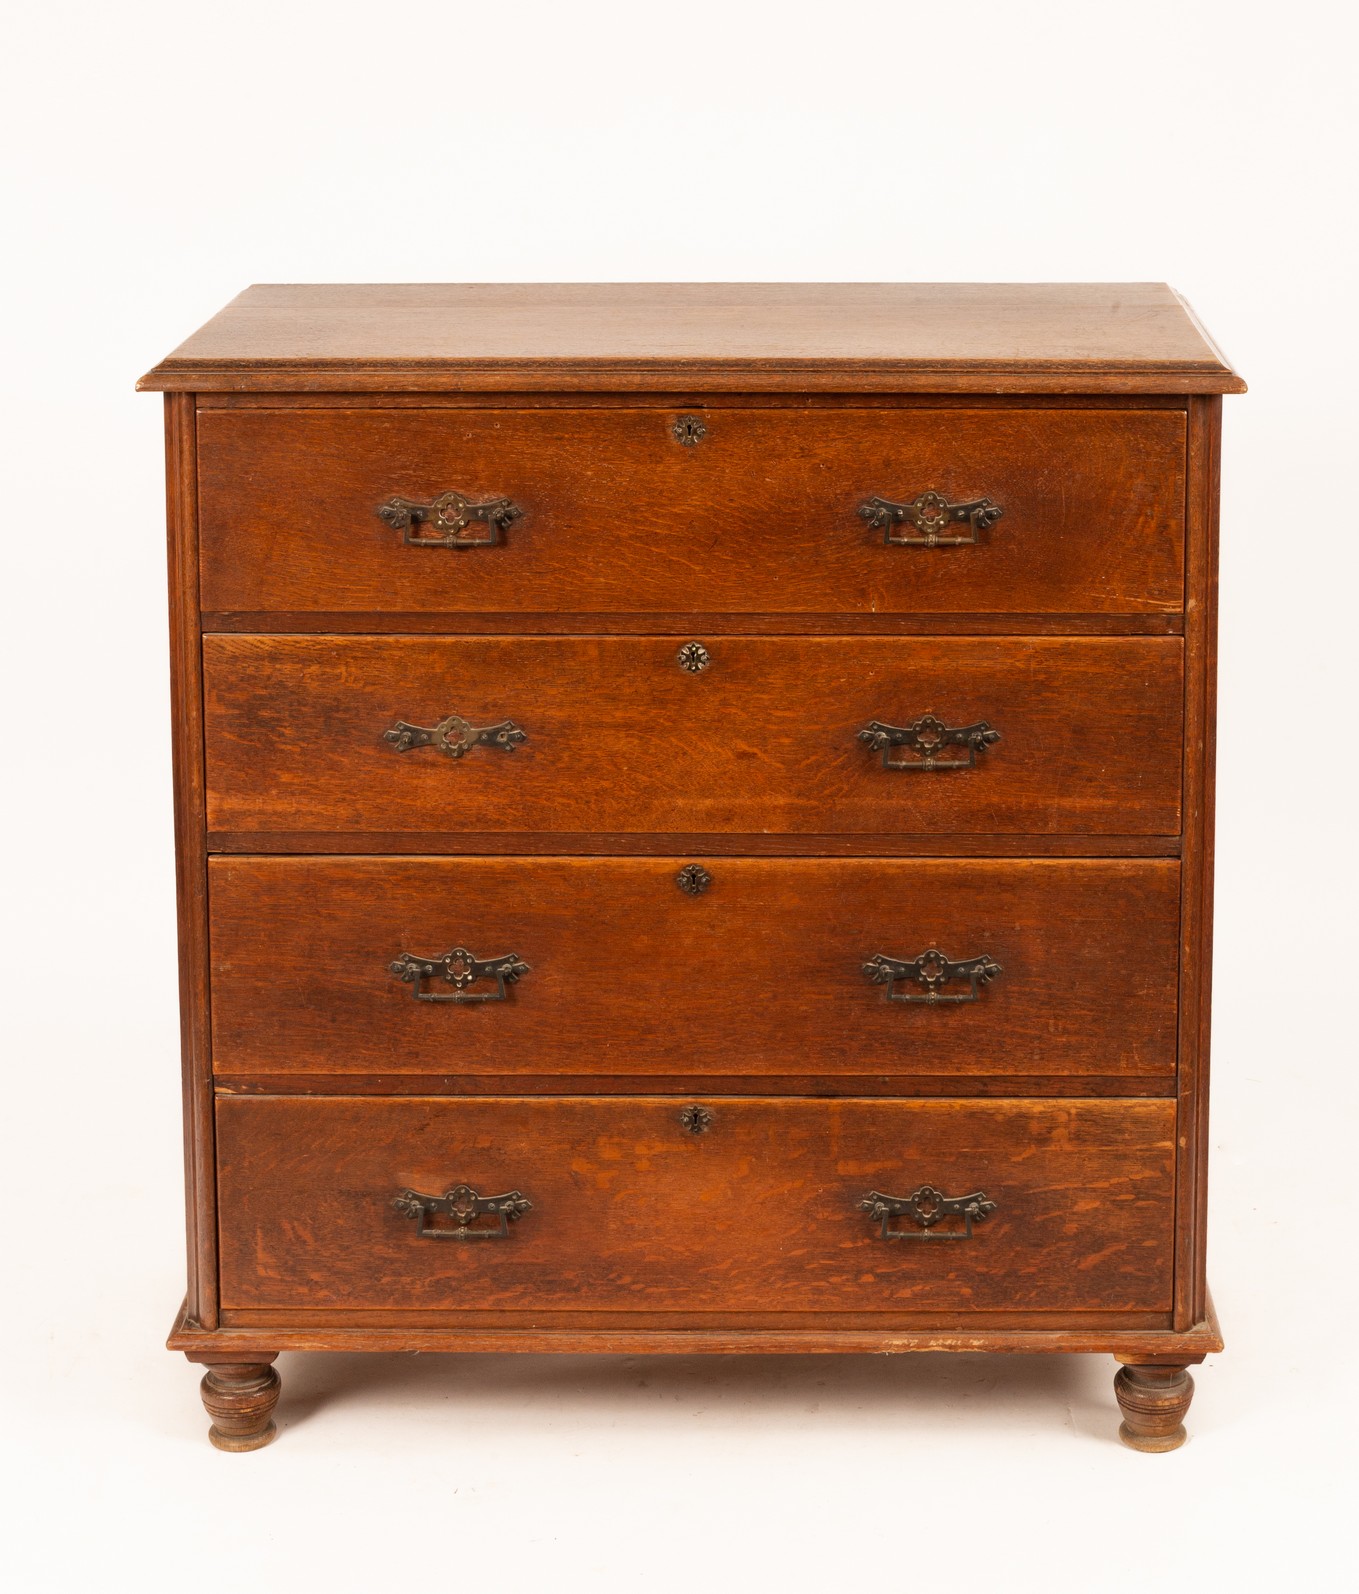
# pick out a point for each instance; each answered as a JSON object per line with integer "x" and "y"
{"x": 760, "y": 974}
{"x": 909, "y": 337}
{"x": 761, "y": 516}
{"x": 1137, "y": 1336}
{"x": 659, "y": 844}
{"x": 632, "y": 1211}
{"x": 191, "y": 864}
{"x": 620, "y": 738}
{"x": 1196, "y": 920}
{"x": 1077, "y": 853}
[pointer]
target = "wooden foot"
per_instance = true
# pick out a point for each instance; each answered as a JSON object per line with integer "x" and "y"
{"x": 240, "y": 1398}
{"x": 1155, "y": 1401}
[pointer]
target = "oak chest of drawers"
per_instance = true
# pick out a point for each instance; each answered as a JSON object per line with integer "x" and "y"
{"x": 694, "y": 823}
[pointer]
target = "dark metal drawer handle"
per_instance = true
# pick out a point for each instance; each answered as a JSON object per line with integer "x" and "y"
{"x": 932, "y": 971}
{"x": 926, "y": 1207}
{"x": 448, "y": 514}
{"x": 455, "y": 736}
{"x": 459, "y": 969}
{"x": 464, "y": 1206}
{"x": 925, "y": 738}
{"x": 929, "y": 514}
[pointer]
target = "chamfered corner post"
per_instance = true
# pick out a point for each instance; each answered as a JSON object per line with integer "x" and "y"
{"x": 240, "y": 1398}
{"x": 1154, "y": 1399}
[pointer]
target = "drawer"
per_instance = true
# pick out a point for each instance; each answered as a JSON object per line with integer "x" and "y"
{"x": 1057, "y": 967}
{"x": 621, "y": 1205}
{"x": 762, "y": 515}
{"x": 770, "y": 734}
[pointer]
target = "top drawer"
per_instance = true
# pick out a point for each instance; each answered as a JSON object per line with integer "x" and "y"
{"x": 628, "y": 511}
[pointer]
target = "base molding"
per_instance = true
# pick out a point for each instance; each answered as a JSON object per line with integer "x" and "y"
{"x": 241, "y": 1388}
{"x": 1134, "y": 1345}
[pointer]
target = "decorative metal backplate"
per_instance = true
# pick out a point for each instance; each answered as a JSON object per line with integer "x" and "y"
{"x": 459, "y": 969}
{"x": 693, "y": 880}
{"x": 448, "y": 515}
{"x": 455, "y": 736}
{"x": 926, "y": 1207}
{"x": 931, "y": 971}
{"x": 689, "y": 431}
{"x": 926, "y": 738}
{"x": 697, "y": 1120}
{"x": 693, "y": 656}
{"x": 464, "y": 1206}
{"x": 929, "y": 515}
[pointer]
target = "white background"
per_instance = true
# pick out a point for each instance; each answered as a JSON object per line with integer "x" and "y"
{"x": 158, "y": 157}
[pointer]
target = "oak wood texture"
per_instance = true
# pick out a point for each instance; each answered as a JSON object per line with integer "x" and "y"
{"x": 762, "y": 973}
{"x": 630, "y": 1209}
{"x": 907, "y": 337}
{"x": 262, "y": 1322}
{"x": 1154, "y": 1401}
{"x": 566, "y": 623}
{"x": 661, "y": 844}
{"x": 765, "y": 738}
{"x": 1082, "y": 626}
{"x": 240, "y": 1398}
{"x": 761, "y": 515}
{"x": 728, "y": 1083}
{"x": 186, "y": 743}
{"x": 681, "y": 400}
{"x": 1196, "y": 916}
{"x": 643, "y": 1333}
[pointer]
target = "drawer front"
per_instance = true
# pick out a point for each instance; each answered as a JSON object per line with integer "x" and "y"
{"x": 621, "y": 1205}
{"x": 612, "y": 514}
{"x": 772, "y": 734}
{"x": 762, "y": 966}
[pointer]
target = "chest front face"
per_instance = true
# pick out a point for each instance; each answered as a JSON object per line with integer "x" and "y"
{"x": 709, "y": 796}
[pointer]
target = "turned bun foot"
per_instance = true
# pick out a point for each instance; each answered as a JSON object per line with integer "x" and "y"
{"x": 1154, "y": 1401}
{"x": 240, "y": 1398}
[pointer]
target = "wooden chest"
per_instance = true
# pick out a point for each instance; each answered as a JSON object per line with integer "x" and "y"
{"x": 694, "y": 823}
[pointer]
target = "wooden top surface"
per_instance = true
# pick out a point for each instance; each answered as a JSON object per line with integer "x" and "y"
{"x": 675, "y": 337}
